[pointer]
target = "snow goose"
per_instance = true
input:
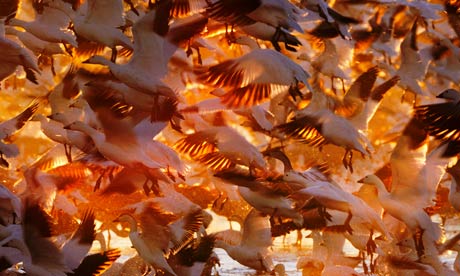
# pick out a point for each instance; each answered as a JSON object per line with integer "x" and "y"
{"x": 324, "y": 126}
{"x": 15, "y": 55}
{"x": 9, "y": 127}
{"x": 39, "y": 47}
{"x": 255, "y": 77}
{"x": 100, "y": 24}
{"x": 264, "y": 195}
{"x": 329, "y": 62}
{"x": 254, "y": 249}
{"x": 134, "y": 73}
{"x": 195, "y": 258}
{"x": 159, "y": 235}
{"x": 276, "y": 13}
{"x": 331, "y": 17}
{"x": 50, "y": 25}
{"x": 215, "y": 147}
{"x": 441, "y": 119}
{"x": 113, "y": 118}
{"x": 415, "y": 219}
{"x": 115, "y": 149}
{"x": 414, "y": 63}
{"x": 41, "y": 256}
{"x": 263, "y": 31}
{"x": 78, "y": 245}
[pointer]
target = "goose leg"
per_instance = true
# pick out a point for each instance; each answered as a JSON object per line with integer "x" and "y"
{"x": 347, "y": 225}
{"x": 370, "y": 245}
{"x": 67, "y": 49}
{"x": 275, "y": 39}
{"x": 68, "y": 152}
{"x": 146, "y": 187}
{"x": 332, "y": 85}
{"x": 418, "y": 240}
{"x": 97, "y": 186}
{"x": 53, "y": 70}
{"x": 113, "y": 58}
{"x": 323, "y": 213}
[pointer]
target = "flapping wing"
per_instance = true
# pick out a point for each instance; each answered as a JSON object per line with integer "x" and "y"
{"x": 256, "y": 230}
{"x": 441, "y": 120}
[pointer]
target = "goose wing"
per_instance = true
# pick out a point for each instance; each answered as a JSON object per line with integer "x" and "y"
{"x": 256, "y": 230}
{"x": 407, "y": 161}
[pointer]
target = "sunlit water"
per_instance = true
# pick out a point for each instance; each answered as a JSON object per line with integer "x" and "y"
{"x": 286, "y": 253}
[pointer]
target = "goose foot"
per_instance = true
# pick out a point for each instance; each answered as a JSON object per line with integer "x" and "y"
{"x": 323, "y": 213}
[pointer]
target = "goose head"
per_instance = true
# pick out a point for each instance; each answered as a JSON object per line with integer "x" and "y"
{"x": 98, "y": 60}
{"x": 450, "y": 94}
{"x": 370, "y": 179}
{"x": 77, "y": 125}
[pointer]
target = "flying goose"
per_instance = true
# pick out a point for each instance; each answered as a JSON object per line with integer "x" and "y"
{"x": 216, "y": 147}
{"x": 100, "y": 24}
{"x": 145, "y": 68}
{"x": 14, "y": 55}
{"x": 41, "y": 255}
{"x": 160, "y": 234}
{"x": 50, "y": 25}
{"x": 255, "y": 77}
{"x": 280, "y": 14}
{"x": 254, "y": 249}
{"x": 8, "y": 128}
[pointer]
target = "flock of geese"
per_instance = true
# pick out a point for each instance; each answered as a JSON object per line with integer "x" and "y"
{"x": 149, "y": 118}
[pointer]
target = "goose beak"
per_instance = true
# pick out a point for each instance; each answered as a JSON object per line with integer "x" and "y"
{"x": 67, "y": 127}
{"x": 361, "y": 181}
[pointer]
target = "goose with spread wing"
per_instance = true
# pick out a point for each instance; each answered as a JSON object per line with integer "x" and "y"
{"x": 255, "y": 77}
{"x": 254, "y": 249}
{"x": 160, "y": 234}
{"x": 415, "y": 176}
{"x": 146, "y": 67}
{"x": 99, "y": 25}
{"x": 220, "y": 148}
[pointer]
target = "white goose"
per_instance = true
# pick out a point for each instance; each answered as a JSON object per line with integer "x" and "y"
{"x": 145, "y": 68}
{"x": 115, "y": 149}
{"x": 35, "y": 44}
{"x": 9, "y": 127}
{"x": 41, "y": 256}
{"x": 99, "y": 24}
{"x": 50, "y": 25}
{"x": 276, "y": 13}
{"x": 254, "y": 249}
{"x": 159, "y": 235}
{"x": 255, "y": 77}
{"x": 78, "y": 245}
{"x": 15, "y": 55}
{"x": 216, "y": 148}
